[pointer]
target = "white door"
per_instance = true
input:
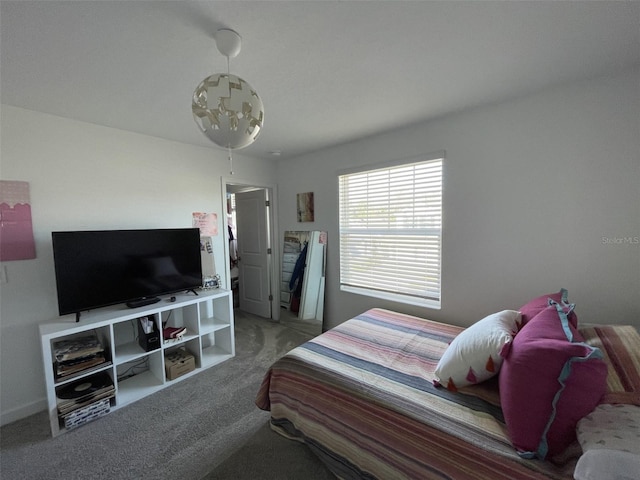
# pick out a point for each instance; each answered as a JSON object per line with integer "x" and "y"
{"x": 253, "y": 256}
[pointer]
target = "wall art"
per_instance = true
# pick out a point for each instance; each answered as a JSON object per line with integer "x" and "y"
{"x": 16, "y": 227}
{"x": 305, "y": 207}
{"x": 207, "y": 223}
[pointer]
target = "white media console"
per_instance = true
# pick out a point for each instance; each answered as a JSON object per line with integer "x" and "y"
{"x": 135, "y": 372}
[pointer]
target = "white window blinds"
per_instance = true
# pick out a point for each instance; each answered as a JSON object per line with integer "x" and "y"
{"x": 390, "y": 232}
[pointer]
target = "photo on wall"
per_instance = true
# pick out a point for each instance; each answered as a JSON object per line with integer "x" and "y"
{"x": 305, "y": 207}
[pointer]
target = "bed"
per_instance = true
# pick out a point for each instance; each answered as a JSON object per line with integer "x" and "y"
{"x": 362, "y": 397}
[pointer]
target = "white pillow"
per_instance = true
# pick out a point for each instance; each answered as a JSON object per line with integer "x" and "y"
{"x": 474, "y": 355}
{"x": 610, "y": 439}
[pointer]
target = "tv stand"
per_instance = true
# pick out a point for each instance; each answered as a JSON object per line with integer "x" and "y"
{"x": 209, "y": 338}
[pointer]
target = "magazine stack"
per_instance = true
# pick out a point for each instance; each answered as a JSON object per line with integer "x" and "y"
{"x": 77, "y": 354}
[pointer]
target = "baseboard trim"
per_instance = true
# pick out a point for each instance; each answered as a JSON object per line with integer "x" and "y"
{"x": 23, "y": 411}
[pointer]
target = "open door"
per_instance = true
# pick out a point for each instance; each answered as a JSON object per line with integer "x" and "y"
{"x": 253, "y": 252}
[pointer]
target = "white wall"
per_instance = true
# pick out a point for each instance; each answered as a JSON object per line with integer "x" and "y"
{"x": 84, "y": 176}
{"x": 531, "y": 188}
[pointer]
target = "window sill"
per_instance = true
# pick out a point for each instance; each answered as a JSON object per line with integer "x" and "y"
{"x": 393, "y": 297}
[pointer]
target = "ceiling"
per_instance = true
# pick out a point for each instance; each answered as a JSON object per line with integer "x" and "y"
{"x": 328, "y": 72}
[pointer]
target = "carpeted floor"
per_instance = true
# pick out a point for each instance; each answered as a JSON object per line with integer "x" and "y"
{"x": 269, "y": 456}
{"x": 206, "y": 426}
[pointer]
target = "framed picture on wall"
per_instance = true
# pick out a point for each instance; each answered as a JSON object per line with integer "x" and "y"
{"x": 305, "y": 207}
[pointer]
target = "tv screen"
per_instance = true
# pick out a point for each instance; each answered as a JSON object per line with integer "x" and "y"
{"x": 99, "y": 268}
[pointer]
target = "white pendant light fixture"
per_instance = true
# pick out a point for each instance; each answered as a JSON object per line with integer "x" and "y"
{"x": 225, "y": 107}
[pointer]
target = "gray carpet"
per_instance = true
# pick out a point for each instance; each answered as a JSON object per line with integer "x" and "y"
{"x": 268, "y": 455}
{"x": 206, "y": 426}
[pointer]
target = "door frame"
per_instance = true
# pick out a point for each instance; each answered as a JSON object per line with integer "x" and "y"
{"x": 272, "y": 219}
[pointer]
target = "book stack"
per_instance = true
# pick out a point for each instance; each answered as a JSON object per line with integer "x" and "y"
{"x": 74, "y": 355}
{"x": 174, "y": 334}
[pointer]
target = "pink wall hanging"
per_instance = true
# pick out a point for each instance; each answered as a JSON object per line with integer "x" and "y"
{"x": 16, "y": 228}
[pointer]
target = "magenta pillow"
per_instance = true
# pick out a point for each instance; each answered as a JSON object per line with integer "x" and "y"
{"x": 549, "y": 380}
{"x": 537, "y": 305}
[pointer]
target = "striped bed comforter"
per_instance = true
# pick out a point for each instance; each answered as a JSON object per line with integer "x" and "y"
{"x": 361, "y": 395}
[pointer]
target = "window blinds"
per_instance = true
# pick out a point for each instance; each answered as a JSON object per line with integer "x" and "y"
{"x": 390, "y": 232}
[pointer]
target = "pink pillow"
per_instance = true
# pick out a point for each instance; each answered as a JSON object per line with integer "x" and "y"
{"x": 537, "y": 305}
{"x": 549, "y": 380}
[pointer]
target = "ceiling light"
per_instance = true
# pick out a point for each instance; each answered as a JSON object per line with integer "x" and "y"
{"x": 225, "y": 107}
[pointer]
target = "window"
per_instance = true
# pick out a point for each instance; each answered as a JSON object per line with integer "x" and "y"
{"x": 391, "y": 231}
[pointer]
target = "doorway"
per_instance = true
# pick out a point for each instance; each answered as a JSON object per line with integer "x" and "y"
{"x": 251, "y": 252}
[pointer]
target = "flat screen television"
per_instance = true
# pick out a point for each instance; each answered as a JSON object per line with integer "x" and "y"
{"x": 106, "y": 267}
